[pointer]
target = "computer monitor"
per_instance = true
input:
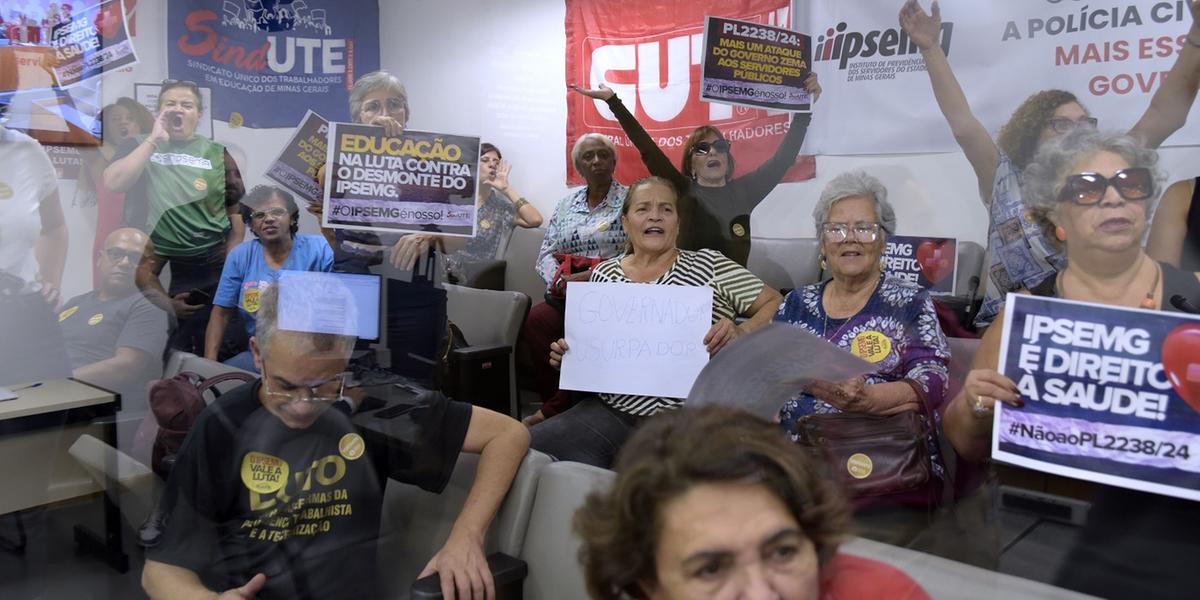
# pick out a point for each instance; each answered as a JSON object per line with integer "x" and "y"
{"x": 339, "y": 303}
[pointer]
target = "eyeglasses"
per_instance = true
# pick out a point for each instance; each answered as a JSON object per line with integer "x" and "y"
{"x": 703, "y": 148}
{"x": 862, "y": 232}
{"x": 394, "y": 105}
{"x": 1085, "y": 189}
{"x": 276, "y": 212}
{"x": 317, "y": 393}
{"x": 1063, "y": 124}
{"x": 116, "y": 254}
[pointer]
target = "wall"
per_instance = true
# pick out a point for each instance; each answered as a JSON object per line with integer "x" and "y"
{"x": 496, "y": 69}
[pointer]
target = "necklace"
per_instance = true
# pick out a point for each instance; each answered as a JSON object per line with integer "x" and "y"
{"x": 825, "y": 314}
{"x": 1146, "y": 303}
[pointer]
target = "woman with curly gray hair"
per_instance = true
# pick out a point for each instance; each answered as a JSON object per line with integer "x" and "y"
{"x": 1018, "y": 255}
{"x": 1091, "y": 193}
{"x": 713, "y": 502}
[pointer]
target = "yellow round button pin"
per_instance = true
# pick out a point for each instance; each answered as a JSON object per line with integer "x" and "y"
{"x": 236, "y": 120}
{"x": 859, "y": 465}
{"x": 871, "y": 346}
{"x": 485, "y": 224}
{"x": 351, "y": 446}
{"x": 200, "y": 184}
{"x": 96, "y": 318}
{"x": 6, "y": 192}
{"x": 250, "y": 299}
{"x": 264, "y": 473}
{"x": 602, "y": 226}
{"x": 66, "y": 314}
{"x": 738, "y": 230}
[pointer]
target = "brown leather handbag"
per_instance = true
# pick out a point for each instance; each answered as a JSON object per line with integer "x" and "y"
{"x": 878, "y": 459}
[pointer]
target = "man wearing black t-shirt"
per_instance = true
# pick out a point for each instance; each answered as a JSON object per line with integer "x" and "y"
{"x": 276, "y": 496}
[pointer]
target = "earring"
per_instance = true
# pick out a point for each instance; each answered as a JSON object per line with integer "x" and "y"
{"x": 1060, "y": 233}
{"x": 823, "y": 265}
{"x": 883, "y": 264}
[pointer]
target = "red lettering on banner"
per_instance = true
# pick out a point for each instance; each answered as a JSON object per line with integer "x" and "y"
{"x": 652, "y": 60}
{"x": 1125, "y": 83}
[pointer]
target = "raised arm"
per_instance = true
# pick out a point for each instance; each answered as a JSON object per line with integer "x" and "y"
{"x": 123, "y": 172}
{"x": 974, "y": 139}
{"x": 528, "y": 216}
{"x": 652, "y": 156}
{"x": 1169, "y": 107}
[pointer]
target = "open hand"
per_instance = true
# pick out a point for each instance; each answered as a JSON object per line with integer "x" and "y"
{"x": 601, "y": 93}
{"x": 923, "y": 29}
{"x": 721, "y": 333}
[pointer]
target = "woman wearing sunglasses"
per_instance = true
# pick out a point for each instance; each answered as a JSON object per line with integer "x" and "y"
{"x": 1091, "y": 193}
{"x": 885, "y": 321}
{"x": 714, "y": 206}
{"x": 1018, "y": 254}
{"x": 272, "y": 214}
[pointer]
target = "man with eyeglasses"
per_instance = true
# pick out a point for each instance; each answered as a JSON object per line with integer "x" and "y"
{"x": 183, "y": 189}
{"x": 115, "y": 337}
{"x": 277, "y": 495}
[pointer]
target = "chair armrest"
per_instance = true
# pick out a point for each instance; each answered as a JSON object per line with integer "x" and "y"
{"x": 480, "y": 350}
{"x": 508, "y": 573}
{"x": 484, "y": 275}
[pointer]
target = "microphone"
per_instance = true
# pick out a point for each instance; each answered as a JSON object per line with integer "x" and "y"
{"x": 1181, "y": 303}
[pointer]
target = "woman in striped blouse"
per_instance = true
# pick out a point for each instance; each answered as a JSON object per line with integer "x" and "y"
{"x": 593, "y": 431}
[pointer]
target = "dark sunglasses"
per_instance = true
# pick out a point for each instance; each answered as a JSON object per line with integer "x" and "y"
{"x": 706, "y": 147}
{"x": 1063, "y": 124}
{"x": 1085, "y": 189}
{"x": 116, "y": 254}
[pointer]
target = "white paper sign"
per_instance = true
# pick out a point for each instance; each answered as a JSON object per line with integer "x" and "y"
{"x": 635, "y": 338}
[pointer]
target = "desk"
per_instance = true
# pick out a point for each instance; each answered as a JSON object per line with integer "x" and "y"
{"x": 35, "y": 431}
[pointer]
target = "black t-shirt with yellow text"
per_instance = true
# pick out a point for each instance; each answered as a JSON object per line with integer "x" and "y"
{"x": 302, "y": 506}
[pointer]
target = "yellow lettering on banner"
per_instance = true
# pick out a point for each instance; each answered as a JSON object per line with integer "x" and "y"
{"x": 263, "y": 473}
{"x": 871, "y": 346}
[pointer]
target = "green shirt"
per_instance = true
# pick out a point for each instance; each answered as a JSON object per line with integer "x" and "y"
{"x": 182, "y": 195}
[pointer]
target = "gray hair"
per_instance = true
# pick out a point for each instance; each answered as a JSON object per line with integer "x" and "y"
{"x": 370, "y": 82}
{"x": 577, "y": 149}
{"x": 1043, "y": 178}
{"x": 266, "y": 321}
{"x": 852, "y": 184}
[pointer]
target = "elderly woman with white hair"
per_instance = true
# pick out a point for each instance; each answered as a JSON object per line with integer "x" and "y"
{"x": 1092, "y": 193}
{"x": 885, "y": 321}
{"x": 585, "y": 224}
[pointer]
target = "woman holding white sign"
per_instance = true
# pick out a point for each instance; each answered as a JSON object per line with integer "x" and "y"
{"x": 1092, "y": 192}
{"x": 715, "y": 207}
{"x": 890, "y": 323}
{"x": 595, "y": 429}
{"x": 1019, "y": 255}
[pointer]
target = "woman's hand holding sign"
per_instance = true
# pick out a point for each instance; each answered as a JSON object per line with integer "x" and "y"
{"x": 557, "y": 350}
{"x": 984, "y": 387}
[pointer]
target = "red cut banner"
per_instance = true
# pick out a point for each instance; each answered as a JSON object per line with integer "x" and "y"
{"x": 649, "y": 51}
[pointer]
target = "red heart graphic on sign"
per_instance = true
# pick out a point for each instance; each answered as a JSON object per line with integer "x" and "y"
{"x": 1181, "y": 362}
{"x": 936, "y": 259}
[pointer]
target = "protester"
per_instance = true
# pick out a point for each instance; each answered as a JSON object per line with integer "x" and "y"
{"x": 713, "y": 502}
{"x": 498, "y": 210}
{"x": 715, "y": 207}
{"x": 586, "y": 223}
{"x": 115, "y": 337}
{"x": 183, "y": 189}
{"x": 282, "y": 535}
{"x": 593, "y": 431}
{"x": 886, "y": 321}
{"x": 1092, "y": 192}
{"x": 1018, "y": 254}
{"x": 1175, "y": 237}
{"x": 33, "y": 255}
{"x": 273, "y": 216}
{"x": 120, "y": 121}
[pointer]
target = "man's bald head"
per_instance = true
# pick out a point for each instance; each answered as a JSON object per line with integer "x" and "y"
{"x": 118, "y": 260}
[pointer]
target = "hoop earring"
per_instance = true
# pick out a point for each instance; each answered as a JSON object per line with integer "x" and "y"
{"x": 824, "y": 267}
{"x": 1060, "y": 233}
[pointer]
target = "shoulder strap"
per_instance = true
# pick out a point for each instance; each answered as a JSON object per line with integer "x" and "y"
{"x": 210, "y": 382}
